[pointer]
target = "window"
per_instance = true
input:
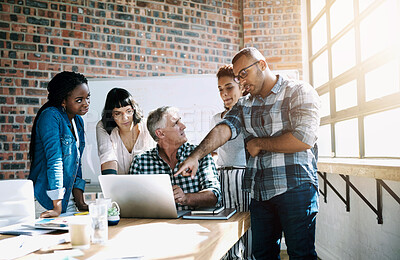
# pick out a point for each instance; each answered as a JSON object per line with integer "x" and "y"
{"x": 382, "y": 134}
{"x": 341, "y": 13}
{"x": 343, "y": 54}
{"x": 354, "y": 64}
{"x": 381, "y": 82}
{"x": 325, "y": 108}
{"x": 320, "y": 68}
{"x": 319, "y": 34}
{"x": 324, "y": 141}
{"x": 376, "y": 29}
{"x": 346, "y": 95}
{"x": 346, "y": 138}
{"x": 316, "y": 7}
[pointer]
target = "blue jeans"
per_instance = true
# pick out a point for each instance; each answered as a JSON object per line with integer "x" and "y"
{"x": 293, "y": 212}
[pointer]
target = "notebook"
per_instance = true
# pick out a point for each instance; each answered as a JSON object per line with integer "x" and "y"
{"x": 141, "y": 196}
{"x": 207, "y": 210}
{"x": 224, "y": 215}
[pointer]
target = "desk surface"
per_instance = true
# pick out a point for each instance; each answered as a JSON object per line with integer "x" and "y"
{"x": 167, "y": 239}
{"x": 371, "y": 168}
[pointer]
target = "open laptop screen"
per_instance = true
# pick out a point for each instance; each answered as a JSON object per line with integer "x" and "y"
{"x": 141, "y": 196}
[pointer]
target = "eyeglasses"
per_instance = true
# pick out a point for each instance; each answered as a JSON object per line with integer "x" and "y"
{"x": 118, "y": 114}
{"x": 243, "y": 73}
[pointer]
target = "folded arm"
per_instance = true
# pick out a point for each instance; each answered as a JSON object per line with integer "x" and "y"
{"x": 285, "y": 143}
{"x": 304, "y": 121}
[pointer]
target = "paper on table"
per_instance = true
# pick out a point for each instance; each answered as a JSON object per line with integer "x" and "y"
{"x": 62, "y": 254}
{"x": 14, "y": 247}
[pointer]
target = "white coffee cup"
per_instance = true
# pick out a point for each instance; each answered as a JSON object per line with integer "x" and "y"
{"x": 80, "y": 230}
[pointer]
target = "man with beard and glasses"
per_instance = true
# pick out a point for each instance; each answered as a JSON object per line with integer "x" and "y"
{"x": 279, "y": 119}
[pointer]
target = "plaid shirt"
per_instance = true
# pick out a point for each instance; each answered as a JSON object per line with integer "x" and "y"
{"x": 292, "y": 106}
{"x": 206, "y": 177}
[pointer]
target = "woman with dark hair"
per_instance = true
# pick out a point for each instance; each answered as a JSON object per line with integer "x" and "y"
{"x": 231, "y": 161}
{"x": 57, "y": 143}
{"x": 121, "y": 133}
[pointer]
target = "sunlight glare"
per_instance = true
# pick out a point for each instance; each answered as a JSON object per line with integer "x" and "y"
{"x": 346, "y": 95}
{"x": 320, "y": 70}
{"x": 382, "y": 81}
{"x": 316, "y": 6}
{"x": 363, "y": 4}
{"x": 324, "y": 141}
{"x": 346, "y": 138}
{"x": 378, "y": 30}
{"x": 318, "y": 33}
{"x": 341, "y": 13}
{"x": 325, "y": 107}
{"x": 382, "y": 134}
{"x": 343, "y": 54}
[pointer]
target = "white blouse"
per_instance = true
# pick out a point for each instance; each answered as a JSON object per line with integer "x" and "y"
{"x": 232, "y": 153}
{"x": 111, "y": 148}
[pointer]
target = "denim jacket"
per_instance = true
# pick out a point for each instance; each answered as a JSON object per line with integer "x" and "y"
{"x": 56, "y": 168}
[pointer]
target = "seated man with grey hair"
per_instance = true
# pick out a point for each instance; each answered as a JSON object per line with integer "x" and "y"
{"x": 166, "y": 128}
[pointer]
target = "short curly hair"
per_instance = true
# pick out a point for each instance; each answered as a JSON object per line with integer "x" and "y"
{"x": 225, "y": 71}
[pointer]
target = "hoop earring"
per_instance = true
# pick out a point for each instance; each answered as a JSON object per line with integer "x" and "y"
{"x": 63, "y": 109}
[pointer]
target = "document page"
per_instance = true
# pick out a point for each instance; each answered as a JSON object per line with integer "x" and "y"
{"x": 19, "y": 246}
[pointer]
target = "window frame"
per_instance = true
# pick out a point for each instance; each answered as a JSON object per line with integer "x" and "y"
{"x": 357, "y": 73}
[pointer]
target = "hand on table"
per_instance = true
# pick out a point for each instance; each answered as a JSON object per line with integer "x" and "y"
{"x": 50, "y": 214}
{"x": 82, "y": 206}
{"x": 179, "y": 195}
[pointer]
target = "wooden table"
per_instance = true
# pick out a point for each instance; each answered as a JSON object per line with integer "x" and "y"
{"x": 166, "y": 239}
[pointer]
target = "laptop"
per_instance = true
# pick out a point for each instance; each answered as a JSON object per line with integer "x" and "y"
{"x": 141, "y": 196}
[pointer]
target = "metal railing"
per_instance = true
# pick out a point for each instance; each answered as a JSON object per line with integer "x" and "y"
{"x": 349, "y": 185}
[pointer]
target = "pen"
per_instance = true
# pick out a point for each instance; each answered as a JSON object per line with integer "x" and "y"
{"x": 81, "y": 213}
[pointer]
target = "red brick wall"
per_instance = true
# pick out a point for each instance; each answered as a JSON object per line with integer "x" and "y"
{"x": 274, "y": 27}
{"x": 131, "y": 38}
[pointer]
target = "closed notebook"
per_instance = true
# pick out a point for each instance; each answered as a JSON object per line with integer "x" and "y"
{"x": 224, "y": 214}
{"x": 21, "y": 229}
{"x": 51, "y": 223}
{"x": 207, "y": 211}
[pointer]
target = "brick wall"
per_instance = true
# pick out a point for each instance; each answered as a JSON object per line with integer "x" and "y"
{"x": 131, "y": 38}
{"x": 275, "y": 28}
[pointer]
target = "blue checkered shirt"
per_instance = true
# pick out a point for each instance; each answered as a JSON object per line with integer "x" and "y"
{"x": 292, "y": 106}
{"x": 206, "y": 177}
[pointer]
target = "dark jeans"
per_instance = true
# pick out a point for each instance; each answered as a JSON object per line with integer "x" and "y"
{"x": 293, "y": 212}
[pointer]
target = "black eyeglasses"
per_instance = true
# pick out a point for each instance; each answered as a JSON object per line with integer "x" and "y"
{"x": 242, "y": 73}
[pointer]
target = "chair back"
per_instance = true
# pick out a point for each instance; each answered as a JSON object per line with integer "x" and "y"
{"x": 17, "y": 203}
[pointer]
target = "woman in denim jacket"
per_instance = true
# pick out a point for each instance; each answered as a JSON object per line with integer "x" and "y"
{"x": 57, "y": 143}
